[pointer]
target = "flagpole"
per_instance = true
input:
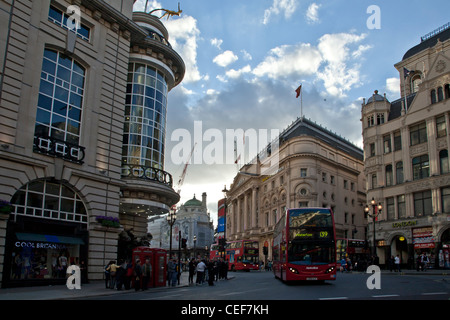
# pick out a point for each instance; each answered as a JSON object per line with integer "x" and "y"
{"x": 301, "y": 104}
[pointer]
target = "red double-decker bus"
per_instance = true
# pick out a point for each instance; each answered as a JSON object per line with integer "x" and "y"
{"x": 304, "y": 245}
{"x": 240, "y": 254}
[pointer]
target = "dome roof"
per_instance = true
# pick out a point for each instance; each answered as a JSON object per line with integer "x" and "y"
{"x": 193, "y": 203}
{"x": 376, "y": 97}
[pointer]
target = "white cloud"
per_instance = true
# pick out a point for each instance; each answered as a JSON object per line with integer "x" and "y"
{"x": 287, "y": 7}
{"x": 140, "y": 5}
{"x": 339, "y": 75}
{"x": 312, "y": 13}
{"x": 393, "y": 86}
{"x": 233, "y": 74}
{"x": 226, "y": 58}
{"x": 301, "y": 59}
{"x": 216, "y": 43}
{"x": 246, "y": 55}
{"x": 184, "y": 36}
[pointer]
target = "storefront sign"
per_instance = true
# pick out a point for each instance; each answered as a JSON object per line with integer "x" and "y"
{"x": 404, "y": 224}
{"x": 423, "y": 238}
{"x": 39, "y": 245}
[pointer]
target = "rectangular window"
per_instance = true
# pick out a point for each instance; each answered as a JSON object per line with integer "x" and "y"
{"x": 387, "y": 143}
{"x": 422, "y": 204}
{"x": 401, "y": 206}
{"x": 397, "y": 141}
{"x": 421, "y": 167}
{"x": 58, "y": 17}
{"x": 390, "y": 208}
{"x": 418, "y": 133}
{"x": 372, "y": 149}
{"x": 303, "y": 172}
{"x": 440, "y": 127}
{"x": 445, "y": 194}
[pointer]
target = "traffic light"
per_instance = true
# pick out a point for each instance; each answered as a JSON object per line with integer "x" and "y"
{"x": 183, "y": 243}
{"x": 265, "y": 251}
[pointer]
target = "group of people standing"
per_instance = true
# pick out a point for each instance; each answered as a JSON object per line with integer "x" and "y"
{"x": 207, "y": 271}
{"x": 124, "y": 275}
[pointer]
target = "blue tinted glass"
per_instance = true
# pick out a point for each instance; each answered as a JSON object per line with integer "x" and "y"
{"x": 46, "y": 87}
{"x": 61, "y": 93}
{"x": 60, "y": 107}
{"x": 48, "y": 66}
{"x": 43, "y": 116}
{"x": 45, "y": 102}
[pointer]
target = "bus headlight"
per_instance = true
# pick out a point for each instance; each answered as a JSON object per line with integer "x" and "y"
{"x": 293, "y": 270}
{"x": 329, "y": 270}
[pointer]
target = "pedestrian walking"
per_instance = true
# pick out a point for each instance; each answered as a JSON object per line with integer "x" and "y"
{"x": 391, "y": 263}
{"x": 211, "y": 273}
{"x": 172, "y": 269}
{"x": 425, "y": 261}
{"x": 201, "y": 267}
{"x": 128, "y": 275}
{"x": 107, "y": 275}
{"x": 137, "y": 274}
{"x": 146, "y": 274}
{"x": 191, "y": 267}
{"x": 120, "y": 275}
{"x": 112, "y": 268}
{"x": 397, "y": 263}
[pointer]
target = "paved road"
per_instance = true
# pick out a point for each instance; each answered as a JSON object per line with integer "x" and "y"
{"x": 263, "y": 286}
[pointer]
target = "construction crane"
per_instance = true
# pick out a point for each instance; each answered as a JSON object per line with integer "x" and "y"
{"x": 183, "y": 174}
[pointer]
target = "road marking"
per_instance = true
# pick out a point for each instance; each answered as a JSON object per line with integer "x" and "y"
{"x": 386, "y": 296}
{"x": 433, "y": 293}
{"x": 334, "y": 298}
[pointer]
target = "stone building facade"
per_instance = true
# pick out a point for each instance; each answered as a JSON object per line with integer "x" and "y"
{"x": 317, "y": 168}
{"x": 406, "y": 162}
{"x": 75, "y": 76}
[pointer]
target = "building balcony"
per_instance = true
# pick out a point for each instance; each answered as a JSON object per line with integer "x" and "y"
{"x": 147, "y": 191}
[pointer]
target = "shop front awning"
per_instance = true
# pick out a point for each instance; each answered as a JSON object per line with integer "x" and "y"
{"x": 48, "y": 238}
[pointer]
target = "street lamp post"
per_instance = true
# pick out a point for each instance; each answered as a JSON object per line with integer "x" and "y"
{"x": 195, "y": 242}
{"x": 376, "y": 210}
{"x": 171, "y": 218}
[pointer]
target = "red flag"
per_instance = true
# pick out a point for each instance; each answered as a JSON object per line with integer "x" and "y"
{"x": 298, "y": 90}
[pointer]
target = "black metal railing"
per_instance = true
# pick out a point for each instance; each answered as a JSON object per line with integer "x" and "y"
{"x": 146, "y": 173}
{"x": 59, "y": 148}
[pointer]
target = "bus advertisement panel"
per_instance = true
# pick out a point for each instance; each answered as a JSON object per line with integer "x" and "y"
{"x": 304, "y": 246}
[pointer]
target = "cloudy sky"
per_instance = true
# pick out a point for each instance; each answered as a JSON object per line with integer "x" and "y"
{"x": 244, "y": 60}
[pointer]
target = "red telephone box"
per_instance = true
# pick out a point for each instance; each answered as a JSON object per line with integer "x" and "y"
{"x": 159, "y": 267}
{"x": 157, "y": 259}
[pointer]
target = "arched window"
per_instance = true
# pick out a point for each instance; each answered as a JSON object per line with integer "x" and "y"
{"x": 49, "y": 200}
{"x": 443, "y": 160}
{"x": 440, "y": 94}
{"x": 415, "y": 81}
{"x": 389, "y": 175}
{"x": 447, "y": 91}
{"x": 433, "y": 96}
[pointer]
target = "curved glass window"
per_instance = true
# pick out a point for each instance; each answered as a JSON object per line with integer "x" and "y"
{"x": 49, "y": 200}
{"x": 60, "y": 99}
{"x": 145, "y": 117}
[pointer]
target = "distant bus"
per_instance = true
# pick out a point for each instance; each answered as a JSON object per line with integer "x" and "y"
{"x": 240, "y": 254}
{"x": 304, "y": 245}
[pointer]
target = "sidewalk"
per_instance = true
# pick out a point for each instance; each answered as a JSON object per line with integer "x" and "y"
{"x": 61, "y": 292}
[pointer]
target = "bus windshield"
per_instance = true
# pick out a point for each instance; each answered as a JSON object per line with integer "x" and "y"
{"x": 311, "y": 238}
